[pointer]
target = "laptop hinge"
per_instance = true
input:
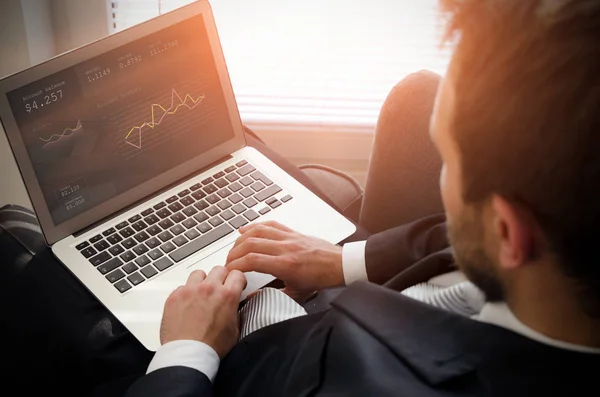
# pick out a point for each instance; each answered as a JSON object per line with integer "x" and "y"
{"x": 172, "y": 185}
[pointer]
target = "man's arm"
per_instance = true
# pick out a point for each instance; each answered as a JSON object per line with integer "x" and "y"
{"x": 306, "y": 263}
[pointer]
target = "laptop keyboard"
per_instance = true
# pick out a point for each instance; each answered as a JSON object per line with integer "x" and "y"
{"x": 159, "y": 237}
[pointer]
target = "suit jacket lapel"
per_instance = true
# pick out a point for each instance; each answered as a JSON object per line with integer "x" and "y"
{"x": 435, "y": 264}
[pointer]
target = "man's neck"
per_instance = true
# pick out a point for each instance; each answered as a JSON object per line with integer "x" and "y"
{"x": 549, "y": 308}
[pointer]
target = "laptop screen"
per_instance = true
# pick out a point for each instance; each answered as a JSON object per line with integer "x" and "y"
{"x": 106, "y": 125}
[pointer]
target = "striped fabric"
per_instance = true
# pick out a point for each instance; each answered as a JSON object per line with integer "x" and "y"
{"x": 269, "y": 306}
{"x": 463, "y": 298}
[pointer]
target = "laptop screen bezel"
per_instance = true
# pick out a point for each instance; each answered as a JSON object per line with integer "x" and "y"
{"x": 54, "y": 233}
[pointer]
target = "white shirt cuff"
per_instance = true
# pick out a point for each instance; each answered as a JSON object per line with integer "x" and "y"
{"x": 354, "y": 264}
{"x": 187, "y": 353}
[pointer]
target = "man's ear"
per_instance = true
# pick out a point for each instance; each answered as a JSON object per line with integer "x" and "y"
{"x": 514, "y": 232}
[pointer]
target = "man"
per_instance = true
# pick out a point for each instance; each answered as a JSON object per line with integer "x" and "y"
{"x": 516, "y": 124}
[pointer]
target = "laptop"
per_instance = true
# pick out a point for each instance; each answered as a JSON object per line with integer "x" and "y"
{"x": 134, "y": 157}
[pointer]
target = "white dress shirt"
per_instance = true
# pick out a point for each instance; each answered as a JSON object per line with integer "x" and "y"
{"x": 200, "y": 356}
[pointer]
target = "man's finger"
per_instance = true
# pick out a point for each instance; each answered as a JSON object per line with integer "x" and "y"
{"x": 255, "y": 245}
{"x": 263, "y": 232}
{"x": 272, "y": 224}
{"x": 218, "y": 274}
{"x": 259, "y": 263}
{"x": 235, "y": 281}
{"x": 196, "y": 277}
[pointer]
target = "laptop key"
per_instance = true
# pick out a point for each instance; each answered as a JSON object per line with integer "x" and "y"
{"x": 180, "y": 240}
{"x": 271, "y": 200}
{"x": 153, "y": 243}
{"x": 139, "y": 226}
{"x": 178, "y": 217}
{"x": 238, "y": 222}
{"x": 96, "y": 238}
{"x": 127, "y": 256}
{"x": 88, "y": 252}
{"x": 167, "y": 223}
{"x": 130, "y": 267}
{"x": 230, "y": 169}
{"x": 219, "y": 174}
{"x": 164, "y": 213}
{"x": 127, "y": 232}
{"x": 183, "y": 193}
{"x": 215, "y": 221}
{"x": 153, "y": 230}
{"x": 149, "y": 271}
{"x": 259, "y": 176}
{"x": 268, "y": 192}
{"x": 195, "y": 187}
{"x": 187, "y": 200}
{"x": 241, "y": 163}
{"x": 116, "y": 250}
{"x": 235, "y": 198}
{"x": 235, "y": 186}
{"x": 136, "y": 278}
{"x": 213, "y": 199}
{"x": 165, "y": 236}
{"x": 190, "y": 211}
{"x": 141, "y": 237}
{"x": 224, "y": 193}
{"x": 232, "y": 177}
{"x": 114, "y": 239}
{"x": 152, "y": 219}
{"x": 250, "y": 202}
{"x": 100, "y": 258}
{"x": 108, "y": 232}
{"x": 189, "y": 223}
{"x": 160, "y": 205}
{"x": 246, "y": 181}
{"x": 201, "y": 242}
{"x": 142, "y": 261}
{"x": 163, "y": 264}
{"x": 192, "y": 234}
{"x": 115, "y": 276}
{"x": 134, "y": 219}
{"x": 201, "y": 217}
{"x": 238, "y": 209}
{"x": 210, "y": 188}
{"x": 204, "y": 227}
{"x": 257, "y": 186}
{"x": 177, "y": 230}
{"x": 207, "y": 181}
{"x": 140, "y": 249}
{"x": 147, "y": 212}
{"x": 251, "y": 215}
{"x": 246, "y": 192}
{"x": 168, "y": 247}
{"x": 224, "y": 204}
{"x": 123, "y": 286}
{"x": 122, "y": 225}
{"x": 155, "y": 254}
{"x": 175, "y": 207}
{"x": 109, "y": 266}
{"x": 264, "y": 210}
{"x": 201, "y": 205}
{"x": 199, "y": 195}
{"x": 227, "y": 215}
{"x": 275, "y": 204}
{"x": 221, "y": 183}
{"x": 129, "y": 243}
{"x": 246, "y": 170}
{"x": 171, "y": 199}
{"x": 101, "y": 245}
{"x": 212, "y": 211}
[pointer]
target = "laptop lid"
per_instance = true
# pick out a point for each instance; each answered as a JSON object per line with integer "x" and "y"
{"x": 108, "y": 124}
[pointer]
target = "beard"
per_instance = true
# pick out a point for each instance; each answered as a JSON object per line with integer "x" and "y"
{"x": 466, "y": 235}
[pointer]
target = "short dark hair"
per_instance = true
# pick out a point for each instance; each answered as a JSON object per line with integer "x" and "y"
{"x": 527, "y": 118}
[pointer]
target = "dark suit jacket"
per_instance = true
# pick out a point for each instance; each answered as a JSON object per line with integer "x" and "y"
{"x": 376, "y": 342}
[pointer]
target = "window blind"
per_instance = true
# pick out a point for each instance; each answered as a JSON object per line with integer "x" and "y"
{"x": 314, "y": 63}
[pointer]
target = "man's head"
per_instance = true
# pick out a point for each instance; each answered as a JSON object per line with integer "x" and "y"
{"x": 517, "y": 123}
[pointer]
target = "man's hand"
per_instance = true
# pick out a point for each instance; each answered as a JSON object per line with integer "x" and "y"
{"x": 305, "y": 264}
{"x": 205, "y": 309}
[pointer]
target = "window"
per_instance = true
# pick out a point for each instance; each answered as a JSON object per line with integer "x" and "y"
{"x": 319, "y": 64}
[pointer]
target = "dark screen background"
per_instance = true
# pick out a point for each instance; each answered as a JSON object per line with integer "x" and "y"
{"x": 104, "y": 126}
